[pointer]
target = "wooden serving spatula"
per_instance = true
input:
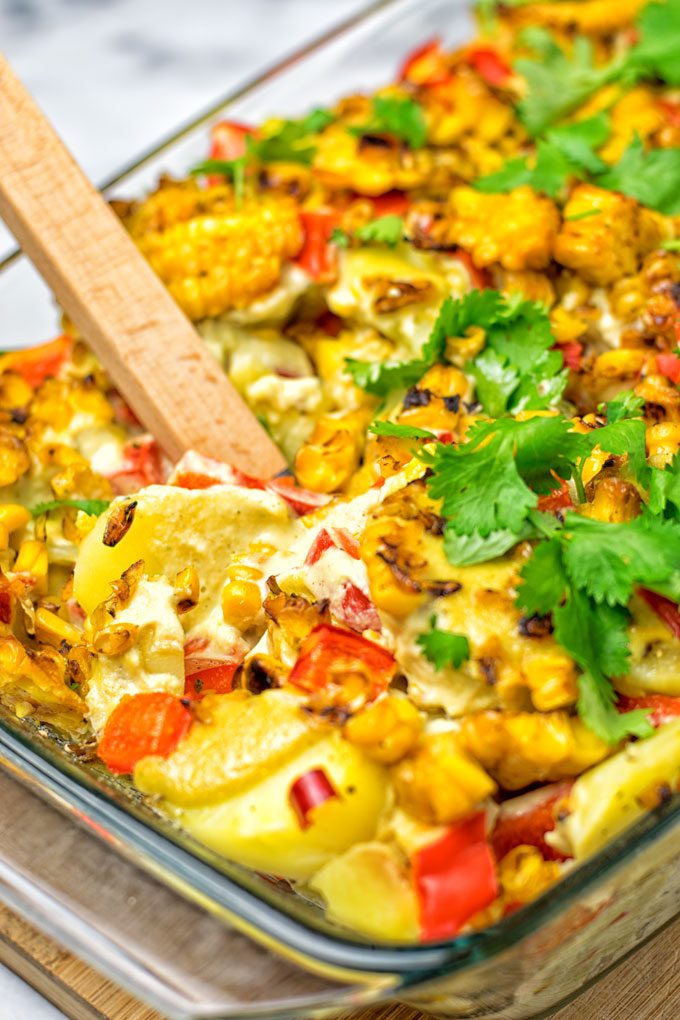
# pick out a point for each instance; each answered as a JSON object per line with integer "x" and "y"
{"x": 150, "y": 350}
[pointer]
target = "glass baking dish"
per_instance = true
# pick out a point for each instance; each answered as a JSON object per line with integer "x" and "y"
{"x": 524, "y": 966}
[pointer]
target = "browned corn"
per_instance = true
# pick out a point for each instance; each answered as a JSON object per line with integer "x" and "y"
{"x": 36, "y": 685}
{"x": 386, "y": 730}
{"x": 329, "y": 458}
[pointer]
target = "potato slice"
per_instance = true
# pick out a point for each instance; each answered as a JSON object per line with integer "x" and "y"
{"x": 173, "y": 528}
{"x": 368, "y": 890}
{"x": 610, "y": 797}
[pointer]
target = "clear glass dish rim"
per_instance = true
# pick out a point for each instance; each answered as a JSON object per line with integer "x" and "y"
{"x": 76, "y": 788}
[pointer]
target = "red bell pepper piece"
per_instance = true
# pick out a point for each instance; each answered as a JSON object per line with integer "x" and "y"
{"x": 489, "y": 64}
{"x": 525, "y": 821}
{"x": 329, "y": 652}
{"x": 228, "y": 140}
{"x": 455, "y": 877}
{"x": 140, "y": 725}
{"x": 318, "y": 257}
{"x": 301, "y": 501}
{"x": 665, "y": 609}
{"x": 142, "y": 465}
{"x": 558, "y": 499}
{"x": 38, "y": 363}
{"x": 337, "y": 538}
{"x": 427, "y": 65}
{"x": 669, "y": 365}
{"x": 662, "y": 707}
{"x": 392, "y": 203}
{"x": 572, "y": 353}
{"x": 308, "y": 792}
{"x": 356, "y": 609}
{"x": 479, "y": 278}
{"x": 208, "y": 676}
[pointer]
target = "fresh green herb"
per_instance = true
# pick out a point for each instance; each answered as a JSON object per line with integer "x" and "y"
{"x": 93, "y": 507}
{"x": 564, "y": 152}
{"x": 559, "y": 83}
{"x": 381, "y": 378}
{"x": 650, "y": 177}
{"x": 664, "y": 490}
{"x": 624, "y": 405}
{"x": 585, "y": 575}
{"x": 586, "y": 215}
{"x": 467, "y": 550}
{"x": 389, "y": 428}
{"x": 402, "y": 118}
{"x": 387, "y": 230}
{"x": 442, "y": 648}
{"x": 233, "y": 169}
{"x": 339, "y": 237}
{"x": 657, "y": 54}
{"x": 317, "y": 120}
{"x": 291, "y": 143}
{"x": 673, "y": 245}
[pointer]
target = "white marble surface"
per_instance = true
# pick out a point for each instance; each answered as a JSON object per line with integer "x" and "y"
{"x": 117, "y": 75}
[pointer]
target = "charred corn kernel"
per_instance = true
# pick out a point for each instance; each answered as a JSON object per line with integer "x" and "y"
{"x": 388, "y": 553}
{"x": 615, "y": 501}
{"x": 518, "y": 230}
{"x": 115, "y": 639}
{"x": 241, "y": 602}
{"x": 440, "y": 782}
{"x": 53, "y": 630}
{"x": 663, "y": 443}
{"x": 621, "y": 363}
{"x": 524, "y": 874}
{"x": 329, "y": 458}
{"x": 14, "y": 516}
{"x": 211, "y": 255}
{"x": 345, "y": 161}
{"x": 520, "y": 748}
{"x": 79, "y": 662}
{"x": 445, "y": 381}
{"x": 187, "y": 589}
{"x": 533, "y": 286}
{"x": 14, "y": 391}
{"x": 14, "y": 459}
{"x": 39, "y": 681}
{"x": 551, "y": 678}
{"x": 386, "y": 730}
{"x": 32, "y": 559}
{"x": 637, "y": 112}
{"x": 609, "y": 242}
{"x": 460, "y": 349}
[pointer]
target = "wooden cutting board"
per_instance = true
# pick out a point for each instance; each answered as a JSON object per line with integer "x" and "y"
{"x": 644, "y": 987}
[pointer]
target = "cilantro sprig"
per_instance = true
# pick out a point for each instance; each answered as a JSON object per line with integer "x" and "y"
{"x": 402, "y": 118}
{"x": 93, "y": 507}
{"x": 384, "y": 230}
{"x": 443, "y": 648}
{"x": 650, "y": 177}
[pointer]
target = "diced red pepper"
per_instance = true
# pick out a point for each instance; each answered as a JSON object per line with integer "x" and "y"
{"x": 572, "y": 354}
{"x": 525, "y": 821}
{"x": 38, "y": 363}
{"x": 356, "y": 609}
{"x": 427, "y": 65}
{"x": 662, "y": 707}
{"x": 228, "y": 140}
{"x": 669, "y": 365}
{"x": 455, "y": 877}
{"x": 204, "y": 675}
{"x": 327, "y": 539}
{"x": 142, "y": 724}
{"x": 301, "y": 501}
{"x": 479, "y": 278}
{"x": 392, "y": 203}
{"x": 308, "y": 792}
{"x": 665, "y": 609}
{"x": 318, "y": 257}
{"x": 489, "y": 64}
{"x": 142, "y": 465}
{"x": 330, "y": 652}
{"x": 558, "y": 499}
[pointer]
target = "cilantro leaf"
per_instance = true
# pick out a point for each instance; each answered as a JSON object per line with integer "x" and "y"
{"x": 544, "y": 580}
{"x": 339, "y": 237}
{"x": 558, "y": 82}
{"x": 291, "y": 143}
{"x": 625, "y": 436}
{"x": 623, "y": 405}
{"x": 442, "y": 648}
{"x": 93, "y": 507}
{"x": 495, "y": 381}
{"x": 664, "y": 490}
{"x": 403, "y": 118}
{"x": 389, "y": 428}
{"x": 381, "y": 378}
{"x": 650, "y": 177}
{"x": 578, "y": 141}
{"x": 387, "y": 230}
{"x": 466, "y": 550}
{"x": 233, "y": 169}
{"x": 597, "y": 708}
{"x": 658, "y": 51}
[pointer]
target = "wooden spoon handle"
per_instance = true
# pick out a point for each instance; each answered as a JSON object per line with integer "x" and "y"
{"x": 149, "y": 348}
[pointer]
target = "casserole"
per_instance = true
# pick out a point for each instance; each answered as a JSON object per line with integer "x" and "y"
{"x": 458, "y": 992}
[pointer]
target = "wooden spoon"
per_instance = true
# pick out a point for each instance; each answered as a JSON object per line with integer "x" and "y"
{"x": 149, "y": 348}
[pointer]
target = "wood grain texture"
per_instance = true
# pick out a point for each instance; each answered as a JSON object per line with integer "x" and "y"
{"x": 149, "y": 348}
{"x": 644, "y": 987}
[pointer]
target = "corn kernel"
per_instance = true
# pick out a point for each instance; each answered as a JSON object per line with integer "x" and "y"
{"x": 524, "y": 874}
{"x": 115, "y": 639}
{"x": 551, "y": 678}
{"x": 187, "y": 589}
{"x": 32, "y": 559}
{"x": 14, "y": 516}
{"x": 663, "y": 443}
{"x": 391, "y": 589}
{"x": 620, "y": 364}
{"x": 440, "y": 782}
{"x": 14, "y": 391}
{"x": 386, "y": 730}
{"x": 52, "y": 629}
{"x": 241, "y": 603}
